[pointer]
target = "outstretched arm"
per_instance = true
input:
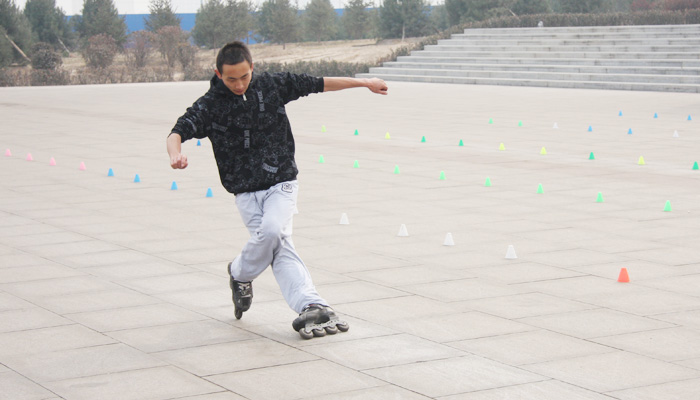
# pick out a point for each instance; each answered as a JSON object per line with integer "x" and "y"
{"x": 376, "y": 85}
{"x": 177, "y": 159}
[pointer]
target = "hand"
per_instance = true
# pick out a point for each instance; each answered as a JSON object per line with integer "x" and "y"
{"x": 178, "y": 161}
{"x": 378, "y": 86}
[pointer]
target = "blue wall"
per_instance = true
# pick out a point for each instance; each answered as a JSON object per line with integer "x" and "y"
{"x": 136, "y": 22}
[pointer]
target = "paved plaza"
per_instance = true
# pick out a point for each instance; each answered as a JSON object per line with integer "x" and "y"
{"x": 116, "y": 289}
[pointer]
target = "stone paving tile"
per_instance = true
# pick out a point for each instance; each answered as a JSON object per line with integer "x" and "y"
{"x": 672, "y": 344}
{"x": 30, "y": 273}
{"x": 524, "y": 305}
{"x": 234, "y": 356}
{"x": 382, "y": 351}
{"x": 78, "y": 363}
{"x": 600, "y": 322}
{"x": 612, "y": 371}
{"x": 681, "y": 390}
{"x": 460, "y": 290}
{"x": 530, "y": 347}
{"x": 447, "y": 377}
{"x": 287, "y": 378}
{"x": 14, "y": 386}
{"x": 545, "y": 390}
{"x": 30, "y": 318}
{"x": 645, "y": 301}
{"x": 134, "y": 317}
{"x": 153, "y": 383}
{"x": 43, "y": 340}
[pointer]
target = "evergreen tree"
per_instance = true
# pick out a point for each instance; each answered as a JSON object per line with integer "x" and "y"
{"x": 162, "y": 14}
{"x": 525, "y": 7}
{"x": 218, "y": 23}
{"x": 320, "y": 20}
{"x": 585, "y": 6}
{"x": 356, "y": 19}
{"x": 402, "y": 18}
{"x": 278, "y": 22}
{"x": 101, "y": 17}
{"x": 49, "y": 23}
{"x": 17, "y": 28}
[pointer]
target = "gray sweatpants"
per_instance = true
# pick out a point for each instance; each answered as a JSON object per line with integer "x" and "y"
{"x": 268, "y": 216}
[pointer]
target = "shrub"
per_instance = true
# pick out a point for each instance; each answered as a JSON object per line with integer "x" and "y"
{"x": 45, "y": 57}
{"x": 138, "y": 49}
{"x": 100, "y": 51}
{"x": 186, "y": 54}
{"x": 49, "y": 77}
{"x": 168, "y": 39}
{"x": 652, "y": 17}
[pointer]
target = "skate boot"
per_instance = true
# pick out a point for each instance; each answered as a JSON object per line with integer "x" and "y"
{"x": 318, "y": 320}
{"x": 241, "y": 294}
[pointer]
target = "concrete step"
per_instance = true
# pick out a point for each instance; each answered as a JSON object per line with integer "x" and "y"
{"x": 591, "y": 29}
{"x": 661, "y": 63}
{"x": 520, "y": 41}
{"x": 577, "y": 36}
{"x": 566, "y": 48}
{"x": 538, "y": 75}
{"x": 560, "y": 54}
{"x": 541, "y": 83}
{"x": 547, "y": 68}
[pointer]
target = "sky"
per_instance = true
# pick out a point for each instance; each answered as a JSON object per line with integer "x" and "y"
{"x": 73, "y": 7}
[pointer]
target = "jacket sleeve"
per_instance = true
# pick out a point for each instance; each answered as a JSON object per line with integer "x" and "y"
{"x": 193, "y": 124}
{"x": 292, "y": 86}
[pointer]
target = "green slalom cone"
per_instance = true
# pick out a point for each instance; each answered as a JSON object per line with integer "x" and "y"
{"x": 422, "y": 139}
{"x": 600, "y": 198}
{"x": 356, "y": 164}
{"x": 591, "y": 157}
{"x": 321, "y": 160}
{"x": 667, "y": 207}
{"x": 695, "y": 166}
{"x": 491, "y": 121}
{"x": 442, "y": 176}
{"x": 540, "y": 189}
{"x": 461, "y": 143}
{"x": 396, "y": 170}
{"x": 520, "y": 123}
{"x": 488, "y": 182}
{"x": 323, "y": 128}
{"x": 357, "y": 133}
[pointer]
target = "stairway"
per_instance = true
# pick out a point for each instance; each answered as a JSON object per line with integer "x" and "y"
{"x": 652, "y": 58}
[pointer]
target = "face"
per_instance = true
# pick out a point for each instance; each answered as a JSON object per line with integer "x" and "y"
{"x": 236, "y": 77}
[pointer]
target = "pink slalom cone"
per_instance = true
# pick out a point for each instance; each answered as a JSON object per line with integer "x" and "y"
{"x": 8, "y": 153}
{"x": 52, "y": 162}
{"x": 29, "y": 157}
{"x": 82, "y": 166}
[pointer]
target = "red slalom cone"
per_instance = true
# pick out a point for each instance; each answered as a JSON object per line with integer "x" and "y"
{"x": 624, "y": 277}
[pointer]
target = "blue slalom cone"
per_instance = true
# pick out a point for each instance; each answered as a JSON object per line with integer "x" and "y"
{"x": 590, "y": 128}
{"x": 137, "y": 178}
{"x": 199, "y": 142}
{"x": 173, "y": 186}
{"x": 620, "y": 113}
{"x": 689, "y": 118}
{"x": 210, "y": 193}
{"x": 629, "y": 132}
{"x": 656, "y": 115}
{"x": 110, "y": 172}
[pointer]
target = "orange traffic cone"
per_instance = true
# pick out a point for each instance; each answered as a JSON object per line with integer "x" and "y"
{"x": 624, "y": 277}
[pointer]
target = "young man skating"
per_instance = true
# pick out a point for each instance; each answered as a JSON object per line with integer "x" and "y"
{"x": 243, "y": 116}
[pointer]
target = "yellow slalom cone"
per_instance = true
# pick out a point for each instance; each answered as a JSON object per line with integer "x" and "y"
{"x": 502, "y": 147}
{"x": 641, "y": 161}
{"x": 387, "y": 136}
{"x": 543, "y": 151}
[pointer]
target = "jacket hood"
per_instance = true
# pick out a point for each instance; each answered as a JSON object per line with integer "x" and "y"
{"x": 216, "y": 86}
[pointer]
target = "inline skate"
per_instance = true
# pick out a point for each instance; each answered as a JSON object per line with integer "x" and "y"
{"x": 241, "y": 294}
{"x": 318, "y": 320}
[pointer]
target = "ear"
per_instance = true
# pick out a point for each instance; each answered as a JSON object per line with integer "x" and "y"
{"x": 217, "y": 73}
{"x": 251, "y": 67}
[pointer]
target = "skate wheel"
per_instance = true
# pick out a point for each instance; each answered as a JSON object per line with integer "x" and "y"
{"x": 306, "y": 335}
{"x": 331, "y": 330}
{"x": 319, "y": 332}
{"x": 343, "y": 327}
{"x": 239, "y": 314}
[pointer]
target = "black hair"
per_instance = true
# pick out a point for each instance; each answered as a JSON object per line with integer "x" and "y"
{"x": 232, "y": 54}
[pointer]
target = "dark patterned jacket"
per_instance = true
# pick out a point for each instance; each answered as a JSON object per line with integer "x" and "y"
{"x": 251, "y": 135}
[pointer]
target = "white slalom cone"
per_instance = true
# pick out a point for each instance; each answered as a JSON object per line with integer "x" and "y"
{"x": 344, "y": 219}
{"x": 555, "y": 126}
{"x": 448, "y": 240}
{"x": 403, "y": 231}
{"x": 510, "y": 254}
{"x": 675, "y": 133}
